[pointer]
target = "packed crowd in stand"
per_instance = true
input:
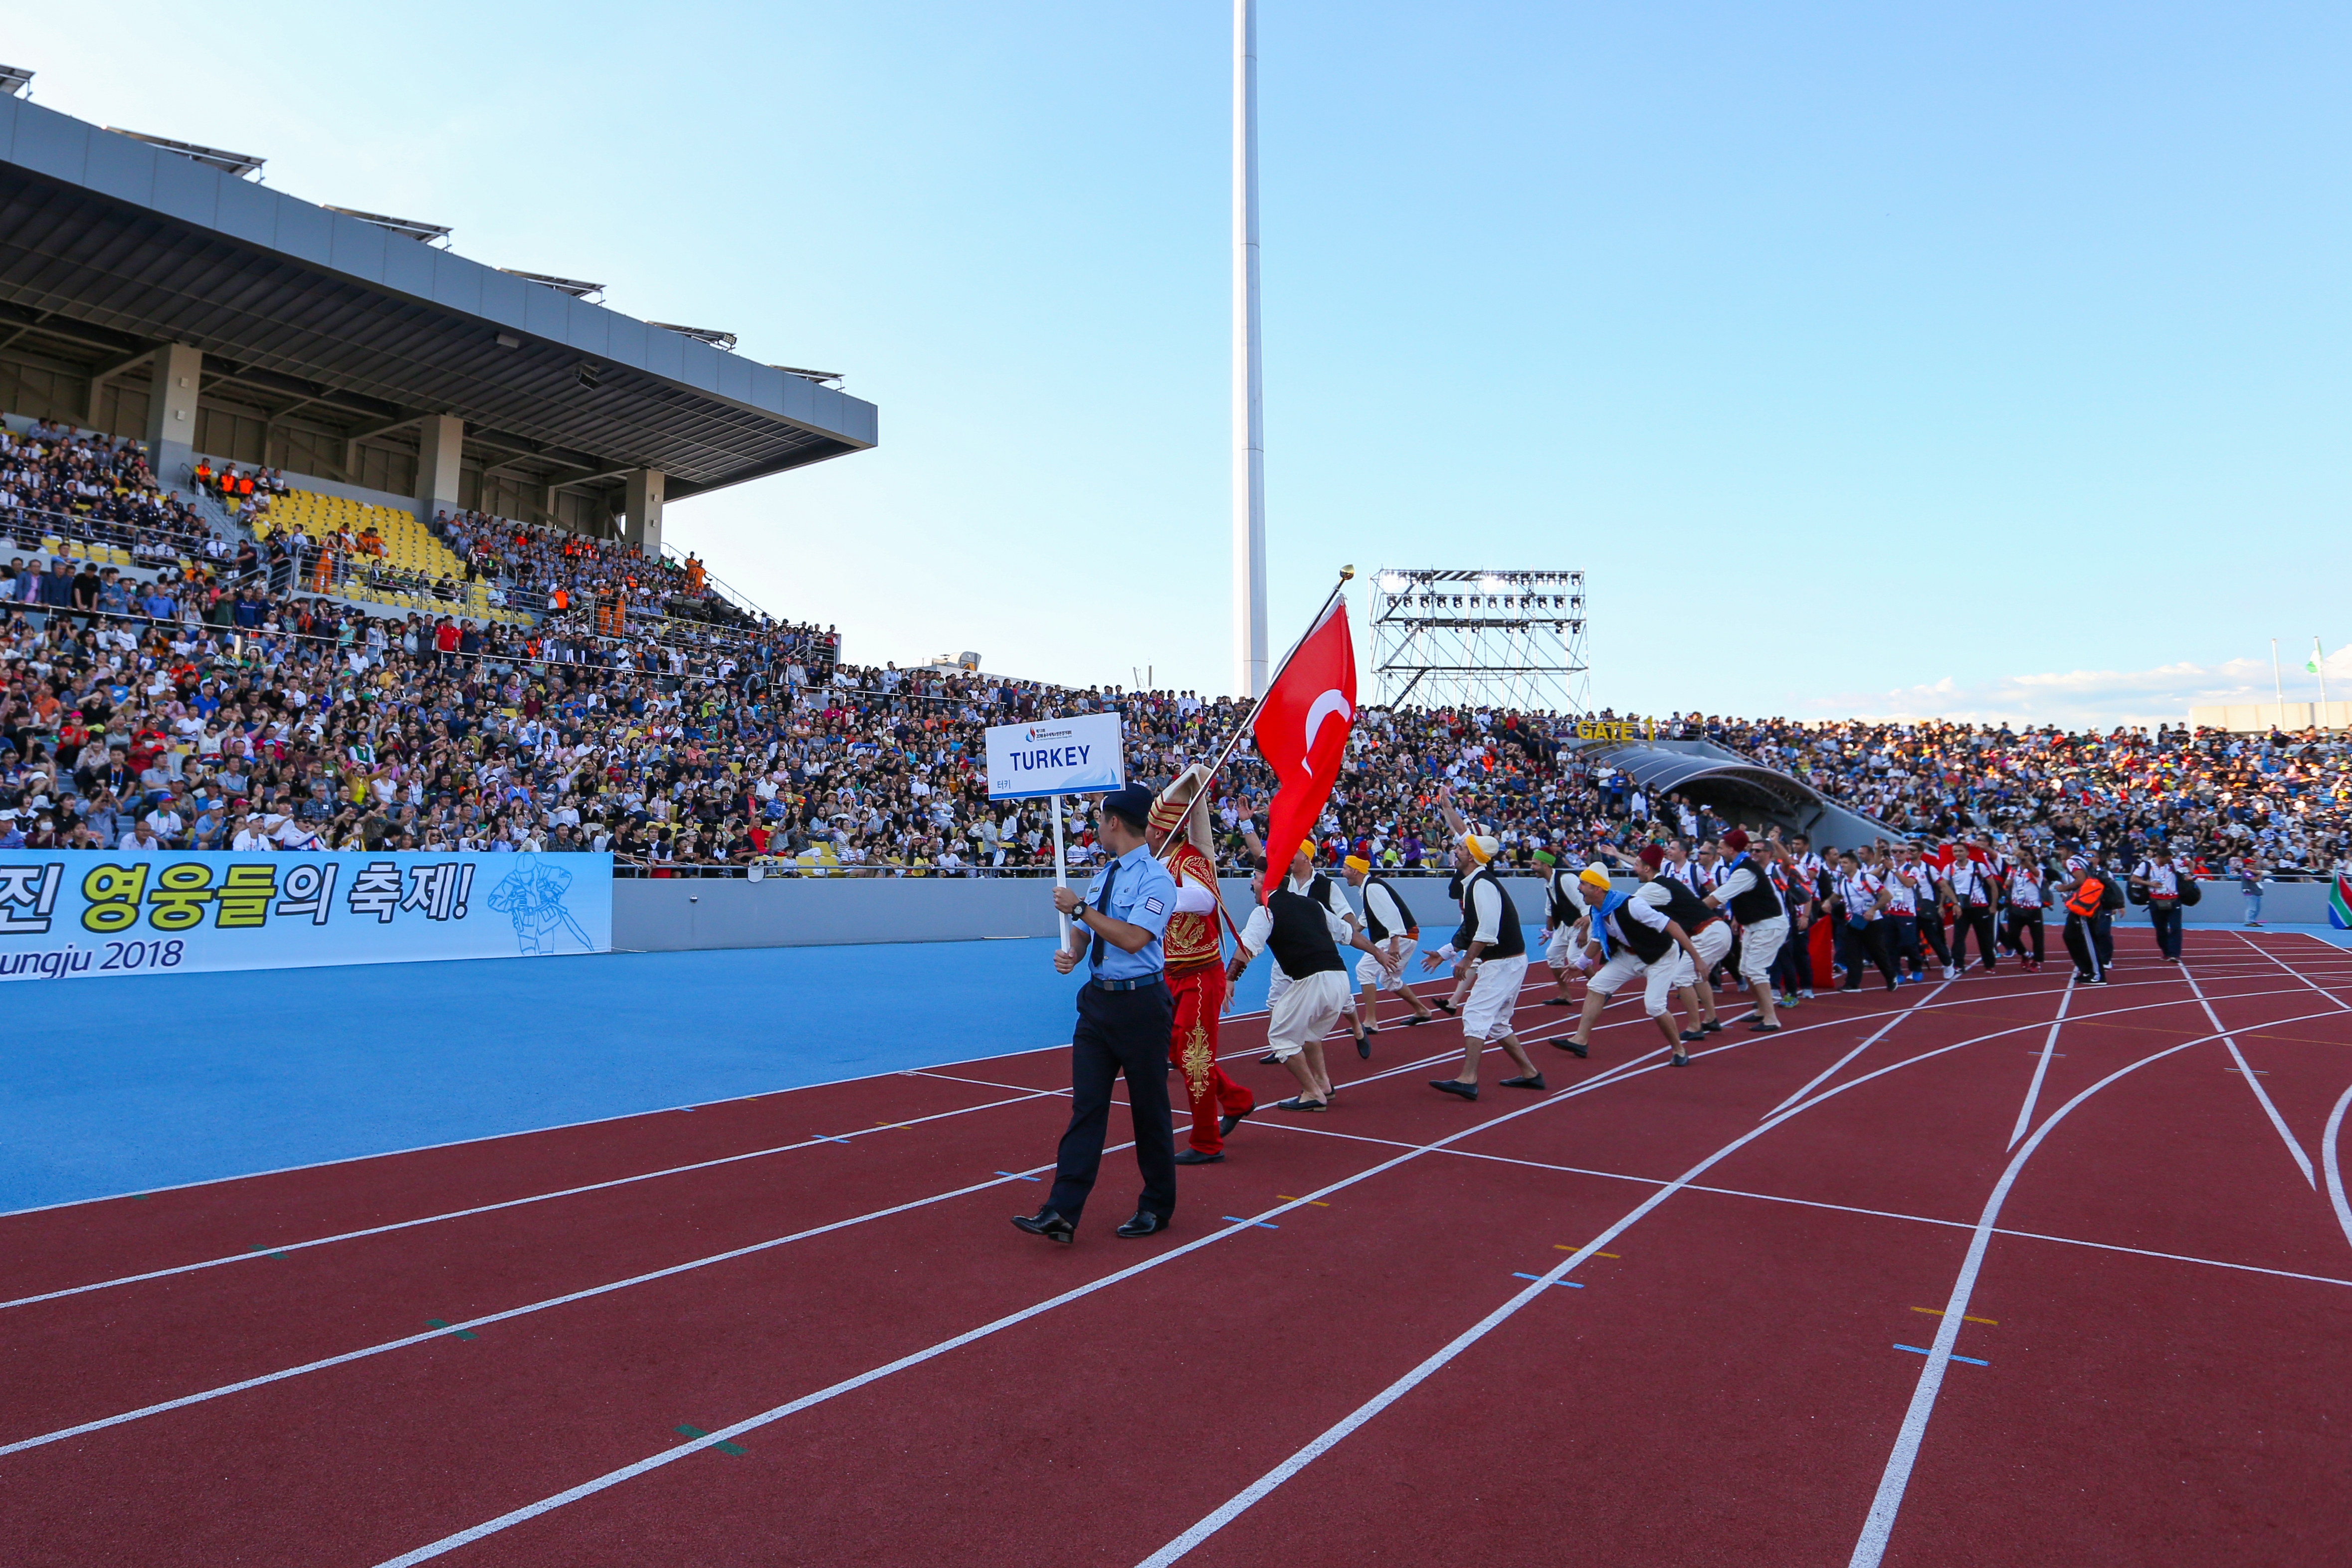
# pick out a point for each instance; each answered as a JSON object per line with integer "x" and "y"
{"x": 540, "y": 568}
{"x": 202, "y": 696}
{"x": 99, "y": 488}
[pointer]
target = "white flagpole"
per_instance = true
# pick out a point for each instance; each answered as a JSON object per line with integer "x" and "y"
{"x": 1061, "y": 866}
{"x": 1250, "y": 679}
{"x": 2319, "y": 666}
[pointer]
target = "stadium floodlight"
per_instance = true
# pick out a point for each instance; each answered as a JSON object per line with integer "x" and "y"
{"x": 1445, "y": 637}
{"x": 234, "y": 163}
{"x": 14, "y": 80}
{"x": 711, "y": 335}
{"x": 407, "y": 229}
{"x": 572, "y": 286}
{"x": 822, "y": 377}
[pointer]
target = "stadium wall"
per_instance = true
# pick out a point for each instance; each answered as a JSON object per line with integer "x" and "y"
{"x": 669, "y": 915}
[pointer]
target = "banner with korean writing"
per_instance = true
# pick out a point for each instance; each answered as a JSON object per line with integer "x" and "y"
{"x": 70, "y": 914}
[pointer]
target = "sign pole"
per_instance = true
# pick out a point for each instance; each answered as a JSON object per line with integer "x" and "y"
{"x": 1061, "y": 866}
{"x": 1235, "y": 740}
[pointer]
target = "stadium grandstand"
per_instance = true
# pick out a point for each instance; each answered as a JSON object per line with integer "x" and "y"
{"x": 329, "y": 537}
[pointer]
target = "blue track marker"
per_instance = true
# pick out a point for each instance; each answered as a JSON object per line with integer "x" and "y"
{"x": 442, "y": 1323}
{"x": 1972, "y": 1360}
{"x": 1569, "y": 1283}
{"x": 1019, "y": 1177}
{"x": 689, "y": 1430}
{"x": 1262, "y": 1224}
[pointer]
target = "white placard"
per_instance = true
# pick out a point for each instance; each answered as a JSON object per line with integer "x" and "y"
{"x": 1057, "y": 757}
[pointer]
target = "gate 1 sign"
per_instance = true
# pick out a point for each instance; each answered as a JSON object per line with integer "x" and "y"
{"x": 1059, "y": 756}
{"x": 75, "y": 914}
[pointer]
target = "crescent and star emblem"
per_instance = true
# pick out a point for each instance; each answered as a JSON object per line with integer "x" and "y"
{"x": 1322, "y": 708}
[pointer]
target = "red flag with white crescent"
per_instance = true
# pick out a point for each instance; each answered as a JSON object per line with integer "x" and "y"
{"x": 1302, "y": 729}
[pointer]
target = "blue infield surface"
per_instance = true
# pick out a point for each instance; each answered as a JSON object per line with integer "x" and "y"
{"x": 117, "y": 1086}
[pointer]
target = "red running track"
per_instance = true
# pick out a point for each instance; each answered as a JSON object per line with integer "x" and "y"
{"x": 1651, "y": 1316}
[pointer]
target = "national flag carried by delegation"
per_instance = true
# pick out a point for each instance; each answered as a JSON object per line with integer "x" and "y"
{"x": 1302, "y": 729}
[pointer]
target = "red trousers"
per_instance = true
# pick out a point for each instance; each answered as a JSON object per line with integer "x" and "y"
{"x": 1199, "y": 994}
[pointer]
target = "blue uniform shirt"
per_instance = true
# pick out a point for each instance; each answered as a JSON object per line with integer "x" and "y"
{"x": 1141, "y": 894}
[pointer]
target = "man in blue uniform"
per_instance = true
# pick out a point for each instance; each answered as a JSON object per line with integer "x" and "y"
{"x": 1125, "y": 1012}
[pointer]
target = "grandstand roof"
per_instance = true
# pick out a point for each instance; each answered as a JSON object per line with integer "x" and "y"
{"x": 1711, "y": 775}
{"x": 109, "y": 246}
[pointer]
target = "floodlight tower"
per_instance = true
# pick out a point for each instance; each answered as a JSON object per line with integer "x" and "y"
{"x": 1249, "y": 425}
{"x": 1447, "y": 638}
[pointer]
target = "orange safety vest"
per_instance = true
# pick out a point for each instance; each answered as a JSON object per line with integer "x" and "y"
{"x": 2085, "y": 900}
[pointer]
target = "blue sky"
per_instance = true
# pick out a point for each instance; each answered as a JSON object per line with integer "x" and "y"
{"x": 1988, "y": 361}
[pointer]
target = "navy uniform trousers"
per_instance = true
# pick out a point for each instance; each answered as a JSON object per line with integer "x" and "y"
{"x": 1119, "y": 1031}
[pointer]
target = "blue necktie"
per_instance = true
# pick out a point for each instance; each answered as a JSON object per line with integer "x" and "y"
{"x": 1102, "y": 905}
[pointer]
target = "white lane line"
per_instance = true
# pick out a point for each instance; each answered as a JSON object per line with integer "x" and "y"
{"x": 497, "y": 1137}
{"x": 224, "y": 1390}
{"x": 1834, "y": 1068}
{"x": 2042, "y": 1067}
{"x": 2328, "y": 1157}
{"x": 1234, "y": 1507}
{"x": 282, "y": 1248}
{"x": 1878, "y": 1525}
{"x": 669, "y": 1456}
{"x": 1533, "y": 1037}
{"x": 1242, "y": 1501}
{"x": 2246, "y": 1071}
{"x": 532, "y": 1307}
{"x": 1838, "y": 1209}
{"x": 2290, "y": 969}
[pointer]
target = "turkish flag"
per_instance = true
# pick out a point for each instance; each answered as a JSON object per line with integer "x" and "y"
{"x": 1302, "y": 730}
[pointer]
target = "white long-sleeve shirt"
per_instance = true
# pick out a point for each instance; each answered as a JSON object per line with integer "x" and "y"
{"x": 1385, "y": 907}
{"x": 1260, "y": 926}
{"x": 1486, "y": 910}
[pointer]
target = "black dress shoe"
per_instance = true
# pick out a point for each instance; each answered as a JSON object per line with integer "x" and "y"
{"x": 1690, "y": 1036}
{"x": 1760, "y": 1027}
{"x": 1146, "y": 1223}
{"x": 1560, "y": 1001}
{"x": 1225, "y": 1124}
{"x": 1572, "y": 1048}
{"x": 1447, "y": 1007}
{"x": 1269, "y": 1060}
{"x": 1416, "y": 1019}
{"x": 1364, "y": 1046}
{"x": 1456, "y": 1086}
{"x": 1049, "y": 1224}
{"x": 1712, "y": 1027}
{"x": 1532, "y": 1081}
{"x": 1679, "y": 1059}
{"x": 1194, "y": 1157}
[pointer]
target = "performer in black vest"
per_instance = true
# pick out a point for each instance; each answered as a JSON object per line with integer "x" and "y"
{"x": 1709, "y": 933}
{"x": 1745, "y": 889}
{"x": 1495, "y": 956}
{"x": 1564, "y": 914}
{"x": 1390, "y": 926}
{"x": 1631, "y": 935}
{"x": 1306, "y": 937}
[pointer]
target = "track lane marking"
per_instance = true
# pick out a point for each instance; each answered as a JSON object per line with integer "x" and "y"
{"x": 847, "y": 1385}
{"x": 2245, "y": 1071}
{"x": 1878, "y": 1524}
{"x": 2042, "y": 1067}
{"x": 1947, "y": 1330}
{"x": 287, "y": 1246}
{"x": 2329, "y": 1158}
{"x": 1632, "y": 1067}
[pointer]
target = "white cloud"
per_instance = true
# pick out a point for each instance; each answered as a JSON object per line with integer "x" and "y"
{"x": 2093, "y": 697}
